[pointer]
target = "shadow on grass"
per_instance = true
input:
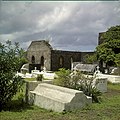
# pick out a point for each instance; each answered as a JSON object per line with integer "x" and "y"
{"x": 17, "y": 106}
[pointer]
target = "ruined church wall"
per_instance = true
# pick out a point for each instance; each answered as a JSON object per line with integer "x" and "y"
{"x": 67, "y": 56}
{"x": 39, "y": 49}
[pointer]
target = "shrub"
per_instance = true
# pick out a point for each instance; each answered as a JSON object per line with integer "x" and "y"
{"x": 76, "y": 80}
{"x": 63, "y": 77}
{"x": 85, "y": 84}
{"x": 9, "y": 64}
{"x": 39, "y": 77}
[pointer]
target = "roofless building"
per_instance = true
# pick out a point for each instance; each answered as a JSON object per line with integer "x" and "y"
{"x": 41, "y": 54}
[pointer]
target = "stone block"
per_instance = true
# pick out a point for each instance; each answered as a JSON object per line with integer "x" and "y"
{"x": 58, "y": 98}
{"x": 30, "y": 86}
{"x": 101, "y": 84}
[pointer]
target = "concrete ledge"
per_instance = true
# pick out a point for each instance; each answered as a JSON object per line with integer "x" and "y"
{"x": 58, "y": 98}
{"x": 111, "y": 78}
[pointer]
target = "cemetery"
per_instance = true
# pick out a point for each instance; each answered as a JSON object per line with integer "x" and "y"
{"x": 45, "y": 94}
{"x": 82, "y": 92}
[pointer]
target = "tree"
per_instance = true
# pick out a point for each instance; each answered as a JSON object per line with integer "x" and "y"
{"x": 107, "y": 51}
{"x": 90, "y": 59}
{"x": 10, "y": 62}
{"x": 117, "y": 61}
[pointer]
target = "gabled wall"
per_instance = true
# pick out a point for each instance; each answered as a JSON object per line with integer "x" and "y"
{"x": 39, "y": 49}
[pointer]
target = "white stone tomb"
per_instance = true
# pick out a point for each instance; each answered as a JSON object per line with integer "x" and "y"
{"x": 58, "y": 98}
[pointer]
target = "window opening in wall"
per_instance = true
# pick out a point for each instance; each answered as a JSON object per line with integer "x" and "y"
{"x": 33, "y": 60}
{"x": 42, "y": 61}
{"x": 61, "y": 61}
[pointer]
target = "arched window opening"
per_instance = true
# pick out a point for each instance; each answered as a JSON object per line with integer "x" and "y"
{"x": 33, "y": 60}
{"x": 61, "y": 61}
{"x": 42, "y": 61}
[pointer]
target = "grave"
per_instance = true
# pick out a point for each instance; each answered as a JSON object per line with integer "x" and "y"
{"x": 89, "y": 68}
{"x": 111, "y": 78}
{"x": 58, "y": 98}
{"x": 100, "y": 80}
{"x": 101, "y": 84}
{"x": 24, "y": 69}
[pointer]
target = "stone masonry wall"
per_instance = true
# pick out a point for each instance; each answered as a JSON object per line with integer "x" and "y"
{"x": 68, "y": 57}
{"x": 39, "y": 49}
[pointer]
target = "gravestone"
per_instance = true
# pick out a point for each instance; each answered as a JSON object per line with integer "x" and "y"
{"x": 58, "y": 98}
{"x": 32, "y": 66}
{"x": 100, "y": 80}
{"x": 101, "y": 84}
{"x": 89, "y": 68}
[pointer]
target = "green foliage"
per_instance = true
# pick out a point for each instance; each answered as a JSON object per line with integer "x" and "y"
{"x": 85, "y": 84}
{"x": 117, "y": 61}
{"x": 29, "y": 79}
{"x": 90, "y": 59}
{"x": 22, "y": 57}
{"x": 39, "y": 77}
{"x": 10, "y": 61}
{"x": 63, "y": 78}
{"x": 76, "y": 80}
{"x": 110, "y": 47}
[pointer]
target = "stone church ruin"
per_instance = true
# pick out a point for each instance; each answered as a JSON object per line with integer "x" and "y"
{"x": 41, "y": 54}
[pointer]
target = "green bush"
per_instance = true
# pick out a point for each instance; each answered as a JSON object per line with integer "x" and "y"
{"x": 63, "y": 77}
{"x": 76, "y": 80}
{"x": 39, "y": 77}
{"x": 9, "y": 64}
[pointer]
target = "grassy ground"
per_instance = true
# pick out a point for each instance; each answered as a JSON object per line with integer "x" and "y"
{"x": 30, "y": 79}
{"x": 108, "y": 109}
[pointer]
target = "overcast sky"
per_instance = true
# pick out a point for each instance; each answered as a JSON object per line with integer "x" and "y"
{"x": 67, "y": 25}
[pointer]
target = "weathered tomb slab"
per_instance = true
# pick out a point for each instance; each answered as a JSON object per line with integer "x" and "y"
{"x": 58, "y": 98}
{"x": 90, "y": 68}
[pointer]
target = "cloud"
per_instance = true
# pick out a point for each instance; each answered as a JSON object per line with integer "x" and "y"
{"x": 68, "y": 25}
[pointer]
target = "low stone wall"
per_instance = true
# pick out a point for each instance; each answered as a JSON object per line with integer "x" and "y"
{"x": 58, "y": 98}
{"x": 111, "y": 78}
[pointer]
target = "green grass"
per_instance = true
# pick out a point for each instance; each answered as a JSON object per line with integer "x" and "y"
{"x": 108, "y": 109}
{"x": 30, "y": 79}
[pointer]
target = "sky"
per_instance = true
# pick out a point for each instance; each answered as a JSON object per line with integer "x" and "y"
{"x": 73, "y": 26}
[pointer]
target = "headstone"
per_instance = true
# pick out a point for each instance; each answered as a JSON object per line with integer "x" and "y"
{"x": 97, "y": 72}
{"x": 35, "y": 72}
{"x": 101, "y": 84}
{"x": 100, "y": 80}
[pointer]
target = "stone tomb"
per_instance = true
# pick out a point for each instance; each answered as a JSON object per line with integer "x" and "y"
{"x": 90, "y": 68}
{"x": 58, "y": 98}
